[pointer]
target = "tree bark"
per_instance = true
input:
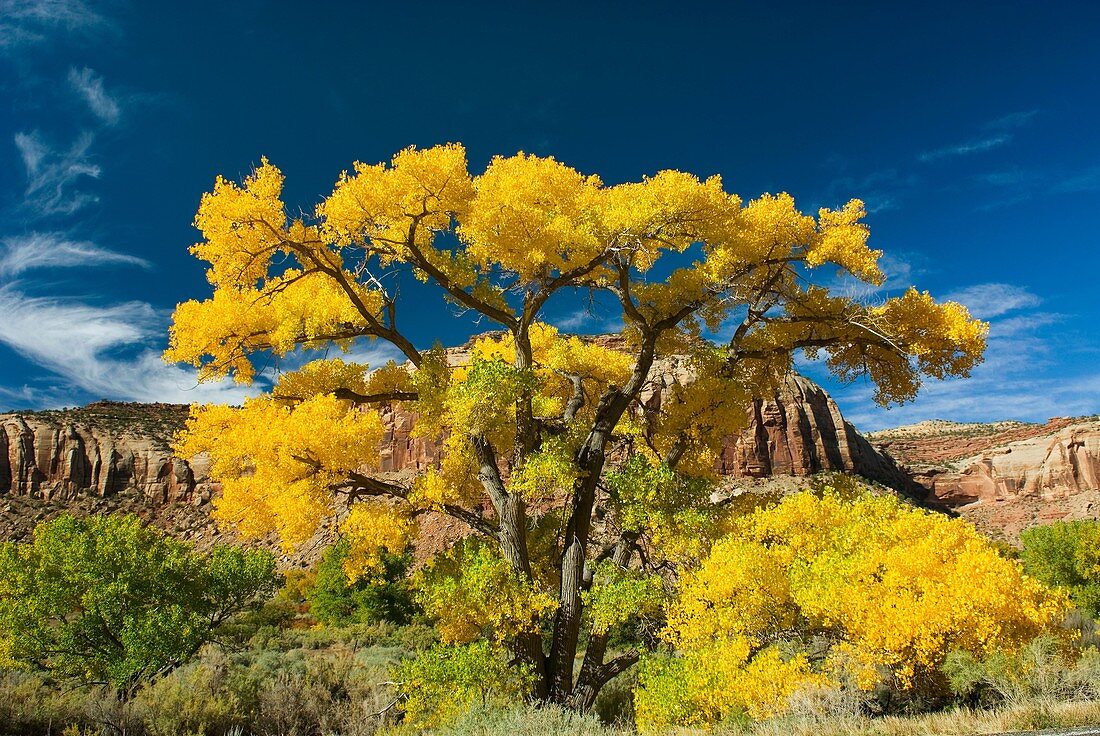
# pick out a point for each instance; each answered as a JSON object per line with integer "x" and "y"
{"x": 590, "y": 460}
{"x": 594, "y": 672}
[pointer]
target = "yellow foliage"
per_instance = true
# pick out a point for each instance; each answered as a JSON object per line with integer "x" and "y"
{"x": 530, "y": 215}
{"x": 321, "y": 377}
{"x": 842, "y": 239}
{"x": 894, "y": 589}
{"x": 501, "y": 244}
{"x": 721, "y": 678}
{"x": 278, "y": 463}
{"x": 370, "y": 529}
{"x": 472, "y": 592}
{"x": 377, "y": 203}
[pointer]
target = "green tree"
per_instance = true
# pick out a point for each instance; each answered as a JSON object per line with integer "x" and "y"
{"x": 105, "y": 599}
{"x": 1067, "y": 554}
{"x": 385, "y": 596}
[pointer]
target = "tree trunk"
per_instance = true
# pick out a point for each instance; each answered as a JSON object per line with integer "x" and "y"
{"x": 590, "y": 460}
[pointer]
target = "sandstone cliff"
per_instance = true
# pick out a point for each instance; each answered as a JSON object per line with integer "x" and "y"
{"x": 110, "y": 456}
{"x": 1007, "y": 476}
{"x": 103, "y": 449}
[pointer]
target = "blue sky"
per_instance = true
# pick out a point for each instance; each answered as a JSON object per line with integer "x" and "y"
{"x": 970, "y": 129}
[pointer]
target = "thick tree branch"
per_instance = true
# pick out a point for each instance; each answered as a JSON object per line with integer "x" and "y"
{"x": 461, "y": 295}
{"x": 379, "y": 398}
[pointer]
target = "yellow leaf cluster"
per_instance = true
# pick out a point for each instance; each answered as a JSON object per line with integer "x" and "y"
{"x": 893, "y": 587}
{"x": 842, "y": 239}
{"x": 617, "y": 594}
{"x": 371, "y": 528}
{"x": 278, "y": 463}
{"x": 242, "y": 227}
{"x": 472, "y": 591}
{"x": 722, "y": 678}
{"x": 531, "y": 215}
{"x": 537, "y": 219}
{"x": 376, "y": 204}
{"x": 321, "y": 377}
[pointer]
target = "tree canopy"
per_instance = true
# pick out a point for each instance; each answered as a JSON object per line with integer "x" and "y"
{"x": 528, "y": 423}
{"x": 106, "y": 599}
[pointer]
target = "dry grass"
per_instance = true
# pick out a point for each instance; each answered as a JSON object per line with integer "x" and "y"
{"x": 959, "y": 722}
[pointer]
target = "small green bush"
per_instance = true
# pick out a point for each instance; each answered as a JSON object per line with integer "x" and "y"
{"x": 108, "y": 600}
{"x": 194, "y": 701}
{"x": 1066, "y": 554}
{"x": 385, "y": 597}
{"x": 440, "y": 684}
{"x": 1043, "y": 670}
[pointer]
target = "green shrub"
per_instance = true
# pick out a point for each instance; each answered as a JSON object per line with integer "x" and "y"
{"x": 385, "y": 597}
{"x": 1045, "y": 669}
{"x": 440, "y": 684}
{"x": 1066, "y": 554}
{"x": 193, "y": 701}
{"x": 105, "y": 599}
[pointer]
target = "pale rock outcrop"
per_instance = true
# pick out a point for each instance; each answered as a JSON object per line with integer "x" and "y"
{"x": 1050, "y": 468}
{"x": 55, "y": 458}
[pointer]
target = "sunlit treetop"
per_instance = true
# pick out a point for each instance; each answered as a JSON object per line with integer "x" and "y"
{"x": 527, "y": 416}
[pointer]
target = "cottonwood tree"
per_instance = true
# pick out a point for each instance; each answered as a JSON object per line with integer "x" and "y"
{"x": 528, "y": 423}
{"x": 109, "y": 600}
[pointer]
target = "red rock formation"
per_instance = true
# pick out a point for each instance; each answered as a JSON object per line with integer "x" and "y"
{"x": 54, "y": 457}
{"x": 1051, "y": 468}
{"x": 799, "y": 431}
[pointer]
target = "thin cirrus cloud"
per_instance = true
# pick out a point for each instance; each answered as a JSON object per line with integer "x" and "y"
{"x": 25, "y": 22}
{"x": 54, "y": 250}
{"x": 998, "y": 132}
{"x": 993, "y": 300}
{"x": 54, "y": 175}
{"x": 1018, "y": 374}
{"x": 81, "y": 342}
{"x": 90, "y": 87}
{"x": 962, "y": 149}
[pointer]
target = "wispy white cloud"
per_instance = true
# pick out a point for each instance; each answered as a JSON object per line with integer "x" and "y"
{"x": 374, "y": 353}
{"x": 1012, "y": 120}
{"x": 1025, "y": 323}
{"x": 1019, "y": 378}
{"x": 988, "y": 395}
{"x": 1000, "y": 131}
{"x": 53, "y": 174}
{"x": 993, "y": 300}
{"x": 55, "y": 250}
{"x": 85, "y": 345}
{"x": 89, "y": 86}
{"x": 1085, "y": 181}
{"x": 586, "y": 322}
{"x": 962, "y": 149}
{"x": 1004, "y": 178}
{"x": 25, "y": 22}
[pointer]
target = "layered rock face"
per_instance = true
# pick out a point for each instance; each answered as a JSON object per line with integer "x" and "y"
{"x": 1051, "y": 467}
{"x": 799, "y": 431}
{"x": 1004, "y": 477}
{"x": 59, "y": 455}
